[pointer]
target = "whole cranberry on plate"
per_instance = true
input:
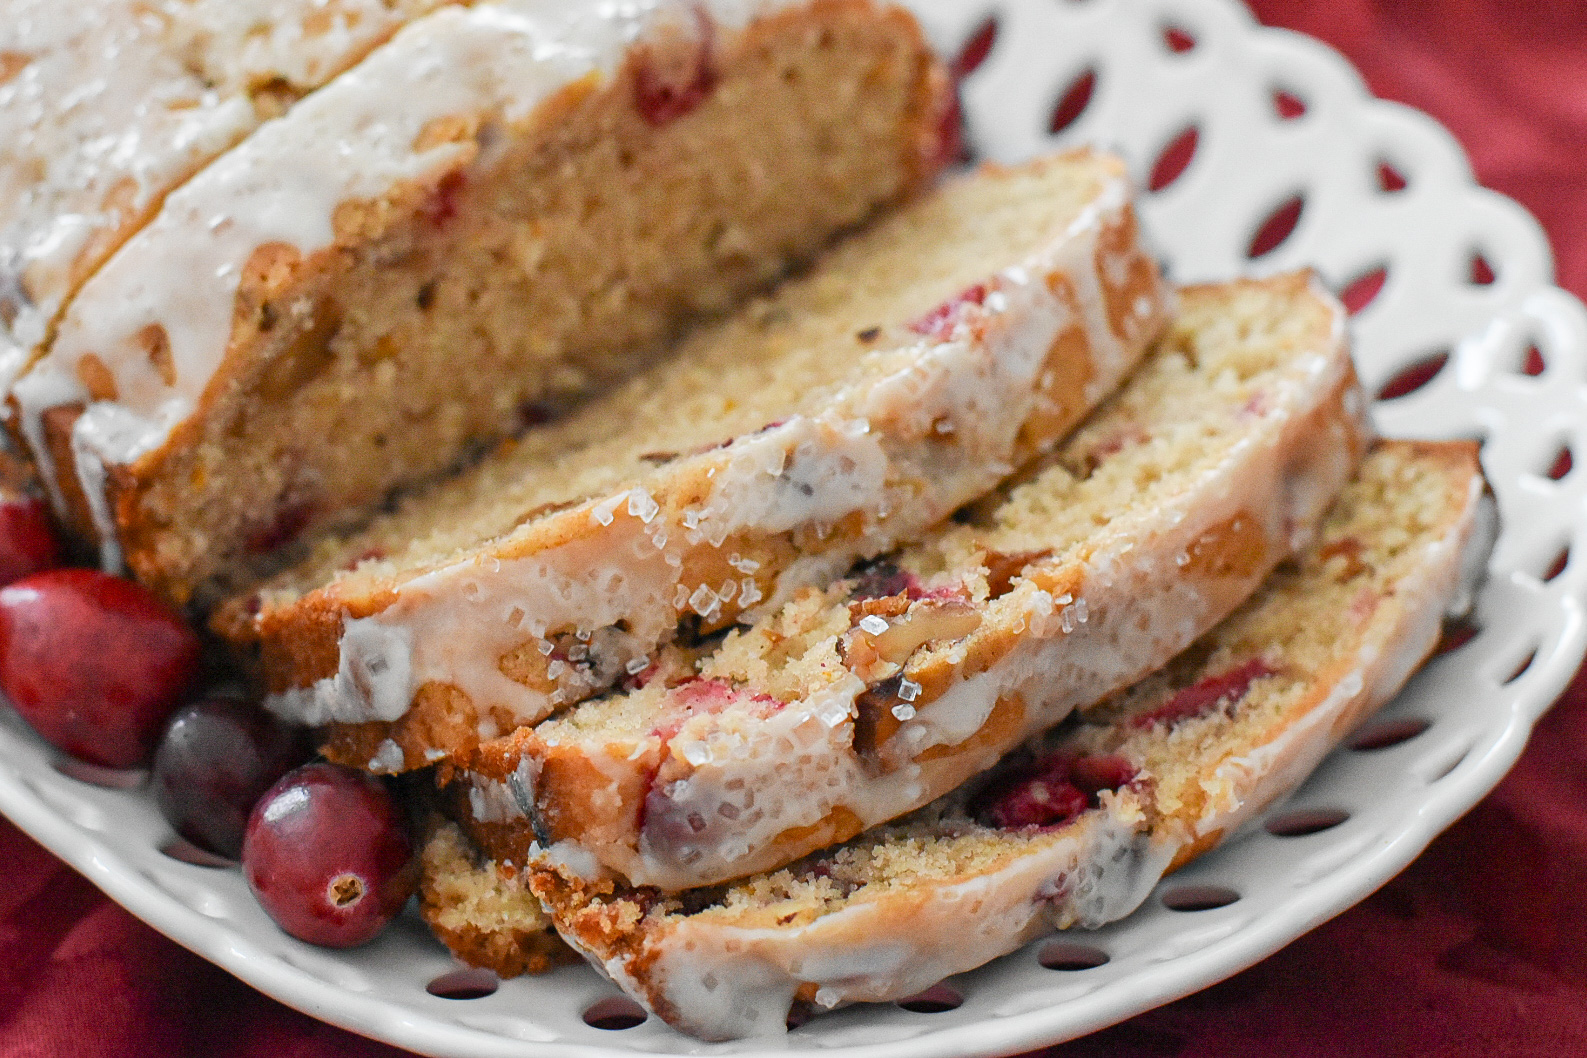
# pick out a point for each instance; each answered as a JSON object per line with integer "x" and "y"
{"x": 328, "y": 856}
{"x": 216, "y": 759}
{"x": 94, "y": 663}
{"x": 27, "y": 540}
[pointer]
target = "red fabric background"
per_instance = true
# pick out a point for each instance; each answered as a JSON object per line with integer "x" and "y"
{"x": 1480, "y": 948}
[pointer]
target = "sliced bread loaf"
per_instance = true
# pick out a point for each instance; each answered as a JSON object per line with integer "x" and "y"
{"x": 858, "y": 405}
{"x": 107, "y": 105}
{"x": 867, "y": 698}
{"x": 498, "y": 210}
{"x": 1078, "y": 832}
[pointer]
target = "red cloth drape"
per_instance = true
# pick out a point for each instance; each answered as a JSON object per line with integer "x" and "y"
{"x": 1479, "y": 948}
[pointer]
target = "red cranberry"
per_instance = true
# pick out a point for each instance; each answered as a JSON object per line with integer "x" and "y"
{"x": 217, "y": 757}
{"x": 442, "y": 205}
{"x": 938, "y": 324}
{"x": 1050, "y": 791}
{"x": 1038, "y": 802}
{"x": 285, "y": 527}
{"x": 27, "y": 540}
{"x": 880, "y": 579}
{"x": 95, "y": 663}
{"x": 1201, "y": 697}
{"x": 665, "y": 93}
{"x": 697, "y": 696}
{"x": 328, "y": 856}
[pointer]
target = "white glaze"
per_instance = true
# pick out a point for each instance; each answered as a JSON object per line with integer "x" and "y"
{"x": 726, "y": 981}
{"x": 504, "y": 802}
{"x": 717, "y": 978}
{"x": 371, "y": 681}
{"x": 745, "y": 779}
{"x": 808, "y": 471}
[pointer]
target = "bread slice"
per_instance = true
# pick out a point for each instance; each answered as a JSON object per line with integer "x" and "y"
{"x": 481, "y": 910}
{"x": 858, "y": 405}
{"x": 866, "y": 699}
{"x": 499, "y": 210}
{"x": 106, "y": 105}
{"x": 1078, "y": 833}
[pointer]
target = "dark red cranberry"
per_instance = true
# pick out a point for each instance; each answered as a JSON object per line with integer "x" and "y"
{"x": 940, "y": 321}
{"x": 289, "y": 521}
{"x": 441, "y": 206}
{"x": 27, "y": 540}
{"x": 881, "y": 579}
{"x": 1205, "y": 694}
{"x": 95, "y": 663}
{"x": 328, "y": 856}
{"x": 217, "y": 758}
{"x": 1051, "y": 791}
{"x": 663, "y": 94}
{"x": 1037, "y": 802}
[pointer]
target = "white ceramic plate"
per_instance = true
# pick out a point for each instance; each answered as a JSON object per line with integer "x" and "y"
{"x": 1515, "y": 372}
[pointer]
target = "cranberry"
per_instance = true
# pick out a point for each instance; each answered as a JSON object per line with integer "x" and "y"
{"x": 702, "y": 696}
{"x": 27, "y": 540}
{"x": 1050, "y": 791}
{"x": 441, "y": 206}
{"x": 665, "y": 92}
{"x": 328, "y": 856}
{"x": 284, "y": 527}
{"x": 1201, "y": 697}
{"x": 217, "y": 757}
{"x": 880, "y": 579}
{"x": 95, "y": 663}
{"x": 938, "y": 324}
{"x": 1038, "y": 802}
